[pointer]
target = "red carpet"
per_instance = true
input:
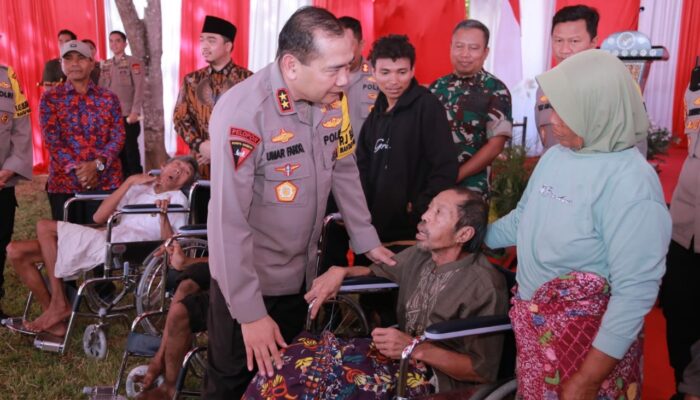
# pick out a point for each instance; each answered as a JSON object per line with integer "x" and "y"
{"x": 658, "y": 375}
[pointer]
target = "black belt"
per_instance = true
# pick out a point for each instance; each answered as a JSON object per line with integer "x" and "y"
{"x": 694, "y": 111}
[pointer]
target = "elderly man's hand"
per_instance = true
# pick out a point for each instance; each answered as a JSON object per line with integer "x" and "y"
{"x": 381, "y": 255}
{"x": 325, "y": 287}
{"x": 390, "y": 341}
{"x": 163, "y": 205}
{"x": 578, "y": 387}
{"x": 176, "y": 256}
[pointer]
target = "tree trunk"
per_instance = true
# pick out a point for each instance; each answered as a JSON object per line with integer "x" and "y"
{"x": 146, "y": 42}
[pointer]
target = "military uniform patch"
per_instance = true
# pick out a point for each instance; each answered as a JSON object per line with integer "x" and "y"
{"x": 283, "y": 137}
{"x": 283, "y": 101}
{"x": 4, "y": 118}
{"x": 346, "y": 139}
{"x": 136, "y": 68}
{"x": 287, "y": 169}
{"x": 286, "y": 192}
{"x": 332, "y": 123}
{"x": 365, "y": 67}
{"x": 243, "y": 143}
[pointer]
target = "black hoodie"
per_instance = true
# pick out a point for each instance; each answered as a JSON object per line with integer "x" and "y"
{"x": 405, "y": 156}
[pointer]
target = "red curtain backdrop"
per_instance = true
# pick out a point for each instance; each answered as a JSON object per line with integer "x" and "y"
{"x": 615, "y": 16}
{"x": 431, "y": 39}
{"x": 688, "y": 49}
{"x": 363, "y": 10}
{"x": 29, "y": 30}
{"x": 193, "y": 13}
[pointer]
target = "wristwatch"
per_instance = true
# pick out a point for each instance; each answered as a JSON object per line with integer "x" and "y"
{"x": 100, "y": 165}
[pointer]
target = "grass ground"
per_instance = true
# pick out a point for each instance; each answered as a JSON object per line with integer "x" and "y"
{"x": 28, "y": 373}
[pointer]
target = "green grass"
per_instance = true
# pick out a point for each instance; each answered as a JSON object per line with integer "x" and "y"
{"x": 28, "y": 373}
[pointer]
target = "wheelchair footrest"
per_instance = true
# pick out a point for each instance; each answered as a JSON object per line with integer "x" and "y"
{"x": 142, "y": 345}
{"x": 101, "y": 393}
{"x": 17, "y": 325}
{"x": 48, "y": 342}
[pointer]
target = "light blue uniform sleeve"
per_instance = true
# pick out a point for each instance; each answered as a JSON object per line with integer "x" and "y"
{"x": 637, "y": 237}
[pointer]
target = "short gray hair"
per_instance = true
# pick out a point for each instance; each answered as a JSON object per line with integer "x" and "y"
{"x": 474, "y": 24}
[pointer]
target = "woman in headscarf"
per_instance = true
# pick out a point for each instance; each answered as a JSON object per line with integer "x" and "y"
{"x": 591, "y": 231}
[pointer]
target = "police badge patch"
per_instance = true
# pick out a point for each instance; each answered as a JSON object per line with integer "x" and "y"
{"x": 243, "y": 143}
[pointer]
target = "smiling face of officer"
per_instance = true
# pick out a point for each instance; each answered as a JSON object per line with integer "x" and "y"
{"x": 468, "y": 51}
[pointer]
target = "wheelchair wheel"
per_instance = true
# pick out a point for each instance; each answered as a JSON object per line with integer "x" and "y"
{"x": 506, "y": 391}
{"x": 343, "y": 316}
{"x": 95, "y": 342}
{"x": 149, "y": 292}
{"x": 133, "y": 388}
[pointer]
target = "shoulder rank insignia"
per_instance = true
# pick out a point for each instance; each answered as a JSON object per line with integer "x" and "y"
{"x": 287, "y": 169}
{"x": 283, "y": 101}
{"x": 283, "y": 137}
{"x": 332, "y": 122}
{"x": 242, "y": 145}
{"x": 286, "y": 192}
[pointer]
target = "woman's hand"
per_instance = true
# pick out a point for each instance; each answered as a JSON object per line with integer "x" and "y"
{"x": 577, "y": 387}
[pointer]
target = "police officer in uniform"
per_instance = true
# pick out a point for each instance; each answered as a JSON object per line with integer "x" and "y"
{"x": 123, "y": 75}
{"x": 679, "y": 295}
{"x": 362, "y": 89}
{"x": 15, "y": 156}
{"x": 278, "y": 149}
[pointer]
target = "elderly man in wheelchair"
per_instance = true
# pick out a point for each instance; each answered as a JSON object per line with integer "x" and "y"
{"x": 68, "y": 249}
{"x": 443, "y": 277}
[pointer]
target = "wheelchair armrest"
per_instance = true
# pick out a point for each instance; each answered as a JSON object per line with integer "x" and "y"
{"x": 93, "y": 195}
{"x": 195, "y": 229}
{"x": 150, "y": 208}
{"x": 148, "y": 314}
{"x": 203, "y": 183}
{"x": 467, "y": 327}
{"x": 362, "y": 283}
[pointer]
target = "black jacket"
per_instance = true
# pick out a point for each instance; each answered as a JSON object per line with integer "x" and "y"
{"x": 405, "y": 156}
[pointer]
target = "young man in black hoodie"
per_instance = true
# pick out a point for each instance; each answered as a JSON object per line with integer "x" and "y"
{"x": 405, "y": 153}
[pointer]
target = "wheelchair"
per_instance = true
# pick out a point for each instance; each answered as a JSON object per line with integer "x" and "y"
{"x": 344, "y": 316}
{"x": 105, "y": 289}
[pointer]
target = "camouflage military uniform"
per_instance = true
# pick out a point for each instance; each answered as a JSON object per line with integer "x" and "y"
{"x": 478, "y": 108}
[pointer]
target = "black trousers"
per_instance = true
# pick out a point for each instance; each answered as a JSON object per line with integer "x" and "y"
{"x": 79, "y": 212}
{"x": 680, "y": 298}
{"x": 130, "y": 155}
{"x": 227, "y": 373}
{"x": 8, "y": 204}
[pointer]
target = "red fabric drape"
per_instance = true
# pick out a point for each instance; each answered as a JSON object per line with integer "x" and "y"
{"x": 431, "y": 39}
{"x": 29, "y": 30}
{"x": 193, "y": 13}
{"x": 363, "y": 10}
{"x": 688, "y": 49}
{"x": 615, "y": 16}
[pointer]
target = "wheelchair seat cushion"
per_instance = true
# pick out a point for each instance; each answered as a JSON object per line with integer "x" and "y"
{"x": 329, "y": 367}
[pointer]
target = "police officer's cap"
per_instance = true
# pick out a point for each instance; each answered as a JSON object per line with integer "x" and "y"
{"x": 221, "y": 26}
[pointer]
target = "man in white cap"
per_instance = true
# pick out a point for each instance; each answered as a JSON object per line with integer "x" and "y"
{"x": 83, "y": 130}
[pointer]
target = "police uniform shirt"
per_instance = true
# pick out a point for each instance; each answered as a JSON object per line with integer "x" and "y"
{"x": 685, "y": 204}
{"x": 53, "y": 74}
{"x": 15, "y": 128}
{"x": 362, "y": 93}
{"x": 124, "y": 76}
{"x": 274, "y": 162}
{"x": 543, "y": 115}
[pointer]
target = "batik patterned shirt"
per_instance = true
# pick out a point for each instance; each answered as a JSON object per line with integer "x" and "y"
{"x": 80, "y": 127}
{"x": 478, "y": 108}
{"x": 200, "y": 90}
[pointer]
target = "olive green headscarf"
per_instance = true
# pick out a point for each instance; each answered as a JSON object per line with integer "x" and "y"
{"x": 596, "y": 96}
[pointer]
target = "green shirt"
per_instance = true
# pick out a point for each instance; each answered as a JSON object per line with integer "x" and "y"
{"x": 478, "y": 108}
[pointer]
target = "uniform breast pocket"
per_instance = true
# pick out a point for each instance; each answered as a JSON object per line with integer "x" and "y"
{"x": 288, "y": 183}
{"x": 7, "y": 111}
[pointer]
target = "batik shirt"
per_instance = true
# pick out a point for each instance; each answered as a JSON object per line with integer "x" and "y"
{"x": 200, "y": 90}
{"x": 478, "y": 108}
{"x": 80, "y": 127}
